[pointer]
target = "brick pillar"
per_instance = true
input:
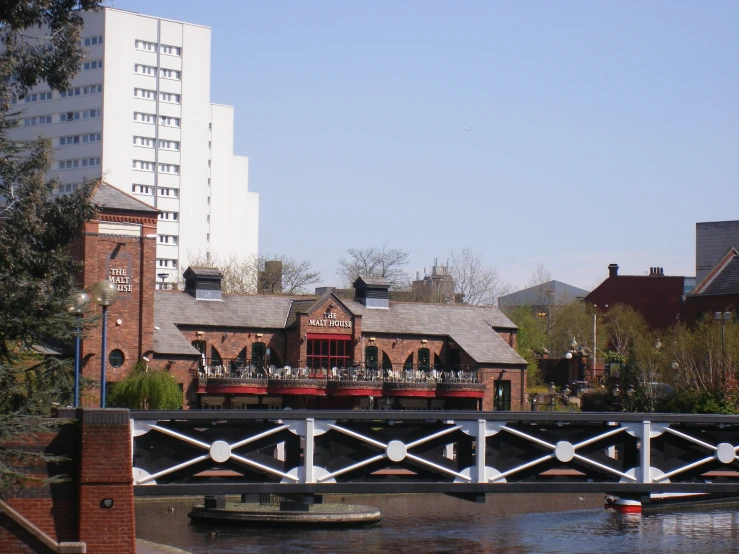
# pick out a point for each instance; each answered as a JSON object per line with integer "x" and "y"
{"x": 106, "y": 477}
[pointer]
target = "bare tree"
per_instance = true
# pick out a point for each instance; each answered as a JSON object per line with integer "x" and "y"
{"x": 540, "y": 276}
{"x": 477, "y": 283}
{"x": 624, "y": 326}
{"x": 260, "y": 274}
{"x": 375, "y": 261}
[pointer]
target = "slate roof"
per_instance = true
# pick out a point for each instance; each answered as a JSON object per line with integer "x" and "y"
{"x": 726, "y": 281}
{"x": 109, "y": 197}
{"x": 468, "y": 326}
{"x": 210, "y": 271}
{"x": 179, "y": 308}
{"x": 533, "y": 296}
{"x": 375, "y": 281}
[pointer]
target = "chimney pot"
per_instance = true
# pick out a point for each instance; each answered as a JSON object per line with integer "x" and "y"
{"x": 612, "y": 270}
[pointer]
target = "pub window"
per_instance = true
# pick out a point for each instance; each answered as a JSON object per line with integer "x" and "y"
{"x": 258, "y": 351}
{"x": 453, "y": 360}
{"x": 215, "y": 357}
{"x": 274, "y": 358}
{"x": 408, "y": 362}
{"x": 199, "y": 345}
{"x": 424, "y": 359}
{"x": 116, "y": 358}
{"x": 502, "y": 395}
{"x": 327, "y": 353}
{"x": 370, "y": 357}
{"x": 386, "y": 363}
{"x": 241, "y": 358}
{"x": 438, "y": 364}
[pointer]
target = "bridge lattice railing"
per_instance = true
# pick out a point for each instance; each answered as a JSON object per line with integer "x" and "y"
{"x": 191, "y": 452}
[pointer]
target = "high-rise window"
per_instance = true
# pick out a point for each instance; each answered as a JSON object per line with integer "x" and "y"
{"x": 92, "y": 41}
{"x": 169, "y": 145}
{"x": 145, "y": 69}
{"x": 170, "y": 74}
{"x": 89, "y": 66}
{"x": 146, "y": 142}
{"x": 141, "y": 165}
{"x": 171, "y": 50}
{"x": 169, "y": 97}
{"x": 145, "y": 93}
{"x": 144, "y": 45}
{"x": 144, "y": 117}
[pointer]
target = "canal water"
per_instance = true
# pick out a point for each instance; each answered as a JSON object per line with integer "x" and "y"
{"x": 511, "y": 523}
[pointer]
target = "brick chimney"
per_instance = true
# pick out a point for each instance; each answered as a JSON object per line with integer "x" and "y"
{"x": 612, "y": 270}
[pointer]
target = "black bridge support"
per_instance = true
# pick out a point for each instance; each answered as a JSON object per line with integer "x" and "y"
{"x": 301, "y": 455}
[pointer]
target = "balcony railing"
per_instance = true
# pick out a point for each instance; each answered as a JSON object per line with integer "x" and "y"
{"x": 257, "y": 369}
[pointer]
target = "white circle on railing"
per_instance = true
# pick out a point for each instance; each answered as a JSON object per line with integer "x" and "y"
{"x": 564, "y": 451}
{"x": 725, "y": 453}
{"x": 220, "y": 451}
{"x": 396, "y": 451}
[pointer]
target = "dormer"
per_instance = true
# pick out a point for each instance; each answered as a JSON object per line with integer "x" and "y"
{"x": 372, "y": 292}
{"x": 204, "y": 283}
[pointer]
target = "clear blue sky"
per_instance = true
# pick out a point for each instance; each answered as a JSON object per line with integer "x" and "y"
{"x": 600, "y": 131}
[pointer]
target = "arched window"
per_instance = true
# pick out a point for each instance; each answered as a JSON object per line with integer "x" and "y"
{"x": 424, "y": 359}
{"x": 370, "y": 357}
{"x": 215, "y": 357}
{"x": 258, "y": 353}
{"x": 438, "y": 364}
{"x": 408, "y": 362}
{"x": 274, "y": 358}
{"x": 200, "y": 346}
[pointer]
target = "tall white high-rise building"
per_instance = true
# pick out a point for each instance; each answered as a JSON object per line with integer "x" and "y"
{"x": 139, "y": 114}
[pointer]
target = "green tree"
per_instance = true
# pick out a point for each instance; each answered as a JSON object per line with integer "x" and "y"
{"x": 531, "y": 340}
{"x": 147, "y": 390}
{"x": 36, "y": 229}
{"x": 573, "y": 320}
{"x": 703, "y": 373}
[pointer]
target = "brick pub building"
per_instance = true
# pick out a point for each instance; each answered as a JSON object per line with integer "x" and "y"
{"x": 264, "y": 351}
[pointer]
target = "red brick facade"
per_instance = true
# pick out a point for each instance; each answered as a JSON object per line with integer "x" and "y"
{"x": 130, "y": 261}
{"x": 98, "y": 447}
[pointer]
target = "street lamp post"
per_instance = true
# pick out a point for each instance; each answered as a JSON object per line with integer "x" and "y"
{"x": 724, "y": 317}
{"x": 104, "y": 293}
{"x": 77, "y": 304}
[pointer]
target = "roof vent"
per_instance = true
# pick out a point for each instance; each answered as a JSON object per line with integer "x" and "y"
{"x": 204, "y": 283}
{"x": 372, "y": 292}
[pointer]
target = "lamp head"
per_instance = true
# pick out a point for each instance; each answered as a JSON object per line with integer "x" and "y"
{"x": 568, "y": 355}
{"x": 104, "y": 292}
{"x": 77, "y": 302}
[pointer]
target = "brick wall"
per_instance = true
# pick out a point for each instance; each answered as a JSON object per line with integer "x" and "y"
{"x": 131, "y": 261}
{"x": 98, "y": 447}
{"x": 517, "y": 377}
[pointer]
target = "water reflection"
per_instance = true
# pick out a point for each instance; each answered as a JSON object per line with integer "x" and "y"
{"x": 436, "y": 523}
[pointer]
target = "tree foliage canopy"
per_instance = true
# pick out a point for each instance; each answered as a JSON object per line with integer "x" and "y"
{"x": 143, "y": 389}
{"x": 36, "y": 229}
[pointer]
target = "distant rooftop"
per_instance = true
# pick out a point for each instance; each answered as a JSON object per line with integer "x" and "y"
{"x": 551, "y": 292}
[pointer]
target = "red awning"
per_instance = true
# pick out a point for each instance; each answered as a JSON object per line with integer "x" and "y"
{"x": 328, "y": 336}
